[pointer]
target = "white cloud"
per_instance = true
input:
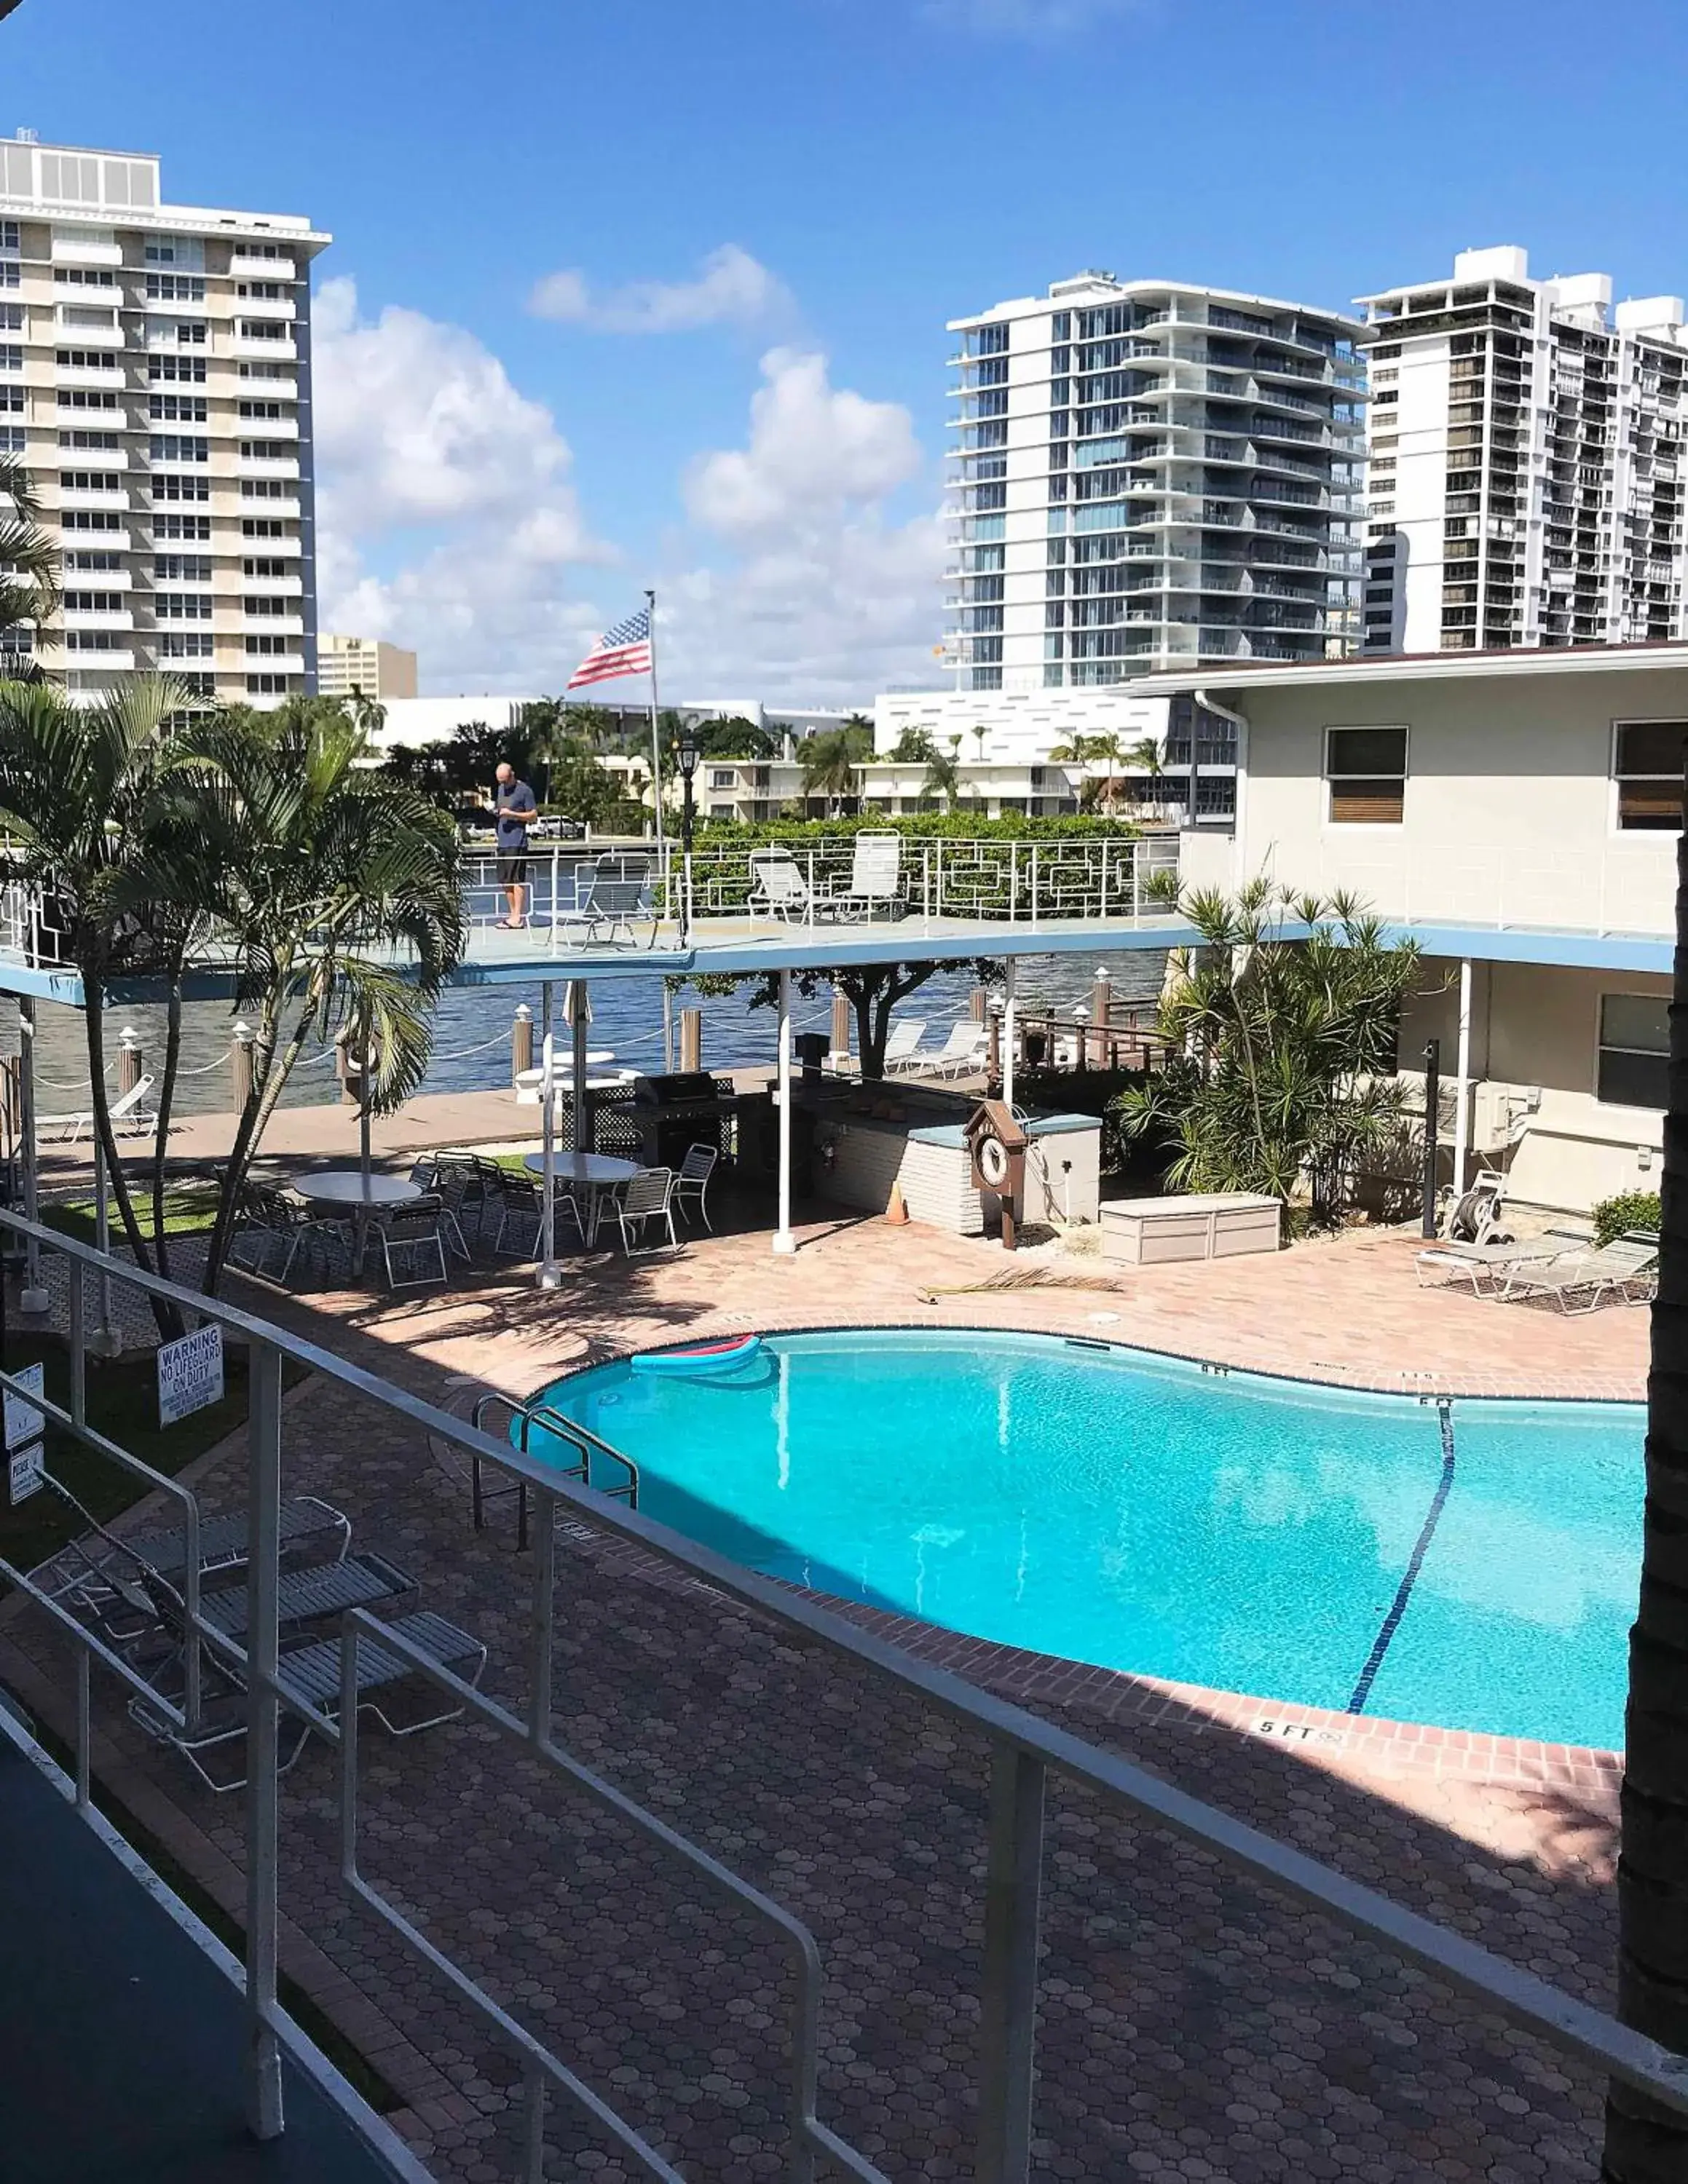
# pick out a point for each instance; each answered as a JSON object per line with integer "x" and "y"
{"x": 731, "y": 287}
{"x": 419, "y": 430}
{"x": 827, "y": 596}
{"x": 449, "y": 523}
{"x": 814, "y": 451}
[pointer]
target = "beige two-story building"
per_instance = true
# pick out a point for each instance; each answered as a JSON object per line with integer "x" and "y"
{"x": 1517, "y": 813}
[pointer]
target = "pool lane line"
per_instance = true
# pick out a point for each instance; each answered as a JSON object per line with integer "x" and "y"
{"x": 1391, "y": 1622}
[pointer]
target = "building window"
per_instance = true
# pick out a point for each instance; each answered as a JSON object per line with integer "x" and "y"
{"x": 1634, "y": 1050}
{"x": 1367, "y": 770}
{"x": 1648, "y": 758}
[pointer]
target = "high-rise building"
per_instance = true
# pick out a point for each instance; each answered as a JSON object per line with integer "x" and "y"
{"x": 1526, "y": 461}
{"x": 1151, "y": 475}
{"x": 155, "y": 380}
{"x": 364, "y": 666}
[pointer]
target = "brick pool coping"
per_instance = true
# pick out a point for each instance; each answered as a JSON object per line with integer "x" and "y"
{"x": 1355, "y": 1745}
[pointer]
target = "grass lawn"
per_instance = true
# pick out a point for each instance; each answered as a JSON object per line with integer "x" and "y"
{"x": 123, "y": 1403}
{"x": 190, "y": 1208}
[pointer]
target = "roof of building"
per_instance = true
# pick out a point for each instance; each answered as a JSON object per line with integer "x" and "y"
{"x": 1421, "y": 667}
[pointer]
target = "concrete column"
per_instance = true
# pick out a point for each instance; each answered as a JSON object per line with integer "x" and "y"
{"x": 548, "y": 1278}
{"x": 521, "y": 1042}
{"x": 691, "y": 1041}
{"x": 129, "y": 1059}
{"x": 842, "y": 1018}
{"x": 1462, "y": 1082}
{"x": 1102, "y": 1013}
{"x": 785, "y": 1243}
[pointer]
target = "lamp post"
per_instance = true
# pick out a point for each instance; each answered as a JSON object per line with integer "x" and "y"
{"x": 687, "y": 755}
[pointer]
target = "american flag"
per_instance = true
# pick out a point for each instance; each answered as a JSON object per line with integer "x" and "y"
{"x": 624, "y": 650}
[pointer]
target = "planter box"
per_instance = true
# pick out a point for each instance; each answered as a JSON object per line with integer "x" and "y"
{"x": 1152, "y": 1232}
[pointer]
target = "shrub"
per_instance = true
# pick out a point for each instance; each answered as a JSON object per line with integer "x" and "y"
{"x": 1631, "y": 1209}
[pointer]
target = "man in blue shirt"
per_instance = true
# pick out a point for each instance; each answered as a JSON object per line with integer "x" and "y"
{"x": 514, "y": 803}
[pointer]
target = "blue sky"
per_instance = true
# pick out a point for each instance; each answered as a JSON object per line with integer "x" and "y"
{"x": 752, "y": 218}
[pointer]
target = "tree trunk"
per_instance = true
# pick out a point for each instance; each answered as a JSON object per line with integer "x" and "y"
{"x": 165, "y": 1316}
{"x": 172, "y": 1059}
{"x": 1645, "y": 2144}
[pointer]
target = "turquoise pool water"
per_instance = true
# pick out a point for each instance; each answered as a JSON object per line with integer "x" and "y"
{"x": 1473, "y": 1564}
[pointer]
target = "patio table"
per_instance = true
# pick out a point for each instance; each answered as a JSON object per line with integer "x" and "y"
{"x": 593, "y": 1172}
{"x": 365, "y": 1194}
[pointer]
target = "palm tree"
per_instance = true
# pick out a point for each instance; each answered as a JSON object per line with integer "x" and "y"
{"x": 29, "y": 559}
{"x": 830, "y": 757}
{"x": 1643, "y": 2140}
{"x": 1144, "y": 757}
{"x": 341, "y": 907}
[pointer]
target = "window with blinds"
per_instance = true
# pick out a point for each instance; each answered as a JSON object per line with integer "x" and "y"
{"x": 1647, "y": 759}
{"x": 1367, "y": 771}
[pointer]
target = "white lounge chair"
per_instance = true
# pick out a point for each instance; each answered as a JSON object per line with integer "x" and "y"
{"x": 903, "y": 1045}
{"x": 779, "y": 887}
{"x": 130, "y": 1115}
{"x": 1577, "y": 1281}
{"x": 617, "y": 893}
{"x": 961, "y": 1054}
{"x": 875, "y": 878}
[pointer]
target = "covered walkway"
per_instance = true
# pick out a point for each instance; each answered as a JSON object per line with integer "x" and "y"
{"x": 122, "y": 2045}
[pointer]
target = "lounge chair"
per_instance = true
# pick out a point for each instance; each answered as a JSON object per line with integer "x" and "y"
{"x": 875, "y": 878}
{"x": 130, "y": 1115}
{"x": 1578, "y": 1281}
{"x": 961, "y": 1054}
{"x": 309, "y": 1676}
{"x": 904, "y": 1043}
{"x": 310, "y": 1531}
{"x": 779, "y": 889}
{"x": 619, "y": 892}
{"x": 1444, "y": 1266}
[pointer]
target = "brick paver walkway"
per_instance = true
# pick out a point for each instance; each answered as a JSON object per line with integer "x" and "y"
{"x": 1193, "y": 2027}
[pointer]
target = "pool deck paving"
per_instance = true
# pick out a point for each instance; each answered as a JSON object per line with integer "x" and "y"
{"x": 1191, "y": 2024}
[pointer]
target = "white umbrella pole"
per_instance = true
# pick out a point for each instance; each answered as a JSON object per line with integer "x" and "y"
{"x": 580, "y": 1029}
{"x": 548, "y": 1273}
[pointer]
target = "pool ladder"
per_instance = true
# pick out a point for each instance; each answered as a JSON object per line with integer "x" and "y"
{"x": 524, "y": 1417}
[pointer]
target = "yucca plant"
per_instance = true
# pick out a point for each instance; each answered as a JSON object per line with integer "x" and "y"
{"x": 1281, "y": 1039}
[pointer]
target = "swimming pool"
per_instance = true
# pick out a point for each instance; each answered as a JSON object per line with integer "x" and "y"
{"x": 1470, "y": 1564}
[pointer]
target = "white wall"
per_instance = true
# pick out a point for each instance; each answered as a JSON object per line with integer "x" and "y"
{"x": 1510, "y": 811}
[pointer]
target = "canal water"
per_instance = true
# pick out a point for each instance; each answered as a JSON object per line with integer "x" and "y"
{"x": 472, "y": 1030}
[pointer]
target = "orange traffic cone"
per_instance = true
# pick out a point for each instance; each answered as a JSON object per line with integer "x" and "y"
{"x": 895, "y": 1212}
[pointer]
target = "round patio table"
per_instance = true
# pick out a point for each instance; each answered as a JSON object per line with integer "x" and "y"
{"x": 592, "y": 1172}
{"x": 365, "y": 1194}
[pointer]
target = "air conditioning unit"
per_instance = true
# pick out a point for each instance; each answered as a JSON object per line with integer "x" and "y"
{"x": 1500, "y": 1113}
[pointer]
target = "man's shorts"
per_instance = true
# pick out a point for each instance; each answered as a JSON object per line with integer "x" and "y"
{"x": 513, "y": 868}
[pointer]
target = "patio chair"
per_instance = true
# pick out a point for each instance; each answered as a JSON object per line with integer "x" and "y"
{"x": 454, "y": 1185}
{"x": 618, "y": 892}
{"x": 309, "y": 1530}
{"x": 518, "y": 1201}
{"x": 309, "y": 1676}
{"x": 903, "y": 1044}
{"x": 412, "y": 1238}
{"x": 875, "y": 878}
{"x": 1578, "y": 1281}
{"x": 130, "y": 1114}
{"x": 779, "y": 888}
{"x": 649, "y": 1196}
{"x": 692, "y": 1182}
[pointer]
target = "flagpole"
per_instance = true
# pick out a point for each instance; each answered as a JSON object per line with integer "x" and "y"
{"x": 661, "y": 859}
{"x": 656, "y": 740}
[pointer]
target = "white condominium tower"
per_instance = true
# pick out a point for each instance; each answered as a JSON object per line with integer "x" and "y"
{"x": 1526, "y": 462}
{"x": 1151, "y": 475}
{"x": 155, "y": 380}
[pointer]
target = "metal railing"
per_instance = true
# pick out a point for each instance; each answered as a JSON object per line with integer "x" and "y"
{"x": 988, "y": 879}
{"x": 1025, "y": 1751}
